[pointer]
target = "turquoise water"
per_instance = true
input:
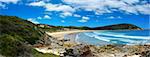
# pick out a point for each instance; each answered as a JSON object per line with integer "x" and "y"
{"x": 104, "y": 37}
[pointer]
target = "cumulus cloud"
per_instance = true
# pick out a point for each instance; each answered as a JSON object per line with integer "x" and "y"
{"x": 84, "y": 19}
{"x": 143, "y": 9}
{"x": 131, "y": 1}
{"x": 53, "y": 7}
{"x": 65, "y": 9}
{"x": 64, "y": 14}
{"x": 39, "y": 17}
{"x": 33, "y": 20}
{"x": 108, "y": 6}
{"x": 47, "y": 17}
{"x": 62, "y": 21}
{"x": 40, "y": 3}
{"x": 119, "y": 17}
{"x": 2, "y": 5}
{"x": 114, "y": 17}
{"x": 9, "y": 1}
{"x": 111, "y": 17}
{"x": 76, "y": 15}
{"x": 59, "y": 7}
{"x": 99, "y": 7}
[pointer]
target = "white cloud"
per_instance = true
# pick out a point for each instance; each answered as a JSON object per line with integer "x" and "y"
{"x": 47, "y": 17}
{"x": 53, "y": 7}
{"x": 97, "y": 6}
{"x": 40, "y": 3}
{"x": 131, "y": 1}
{"x": 113, "y": 17}
{"x": 84, "y": 19}
{"x": 33, "y": 20}
{"x": 59, "y": 7}
{"x": 143, "y": 9}
{"x": 76, "y": 15}
{"x": 64, "y": 14}
{"x": 119, "y": 17}
{"x": 2, "y": 5}
{"x": 39, "y": 17}
{"x": 62, "y": 21}
{"x": 65, "y": 9}
{"x": 108, "y": 6}
{"x": 88, "y": 5}
{"x": 9, "y": 1}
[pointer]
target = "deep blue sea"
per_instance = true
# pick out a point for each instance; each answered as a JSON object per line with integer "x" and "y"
{"x": 104, "y": 37}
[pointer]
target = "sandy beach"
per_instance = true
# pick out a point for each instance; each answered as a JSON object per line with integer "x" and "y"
{"x": 60, "y": 35}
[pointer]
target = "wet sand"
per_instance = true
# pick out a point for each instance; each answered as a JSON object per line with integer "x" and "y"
{"x": 60, "y": 35}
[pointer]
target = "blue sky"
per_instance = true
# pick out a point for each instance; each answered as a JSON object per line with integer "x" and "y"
{"x": 91, "y": 13}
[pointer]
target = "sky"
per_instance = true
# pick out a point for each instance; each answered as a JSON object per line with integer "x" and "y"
{"x": 91, "y": 13}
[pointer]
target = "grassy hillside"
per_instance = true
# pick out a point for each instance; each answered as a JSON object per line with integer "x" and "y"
{"x": 16, "y": 27}
{"x": 17, "y": 36}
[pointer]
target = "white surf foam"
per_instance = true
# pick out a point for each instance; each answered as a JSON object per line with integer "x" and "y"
{"x": 122, "y": 35}
{"x": 96, "y": 36}
{"x": 127, "y": 39}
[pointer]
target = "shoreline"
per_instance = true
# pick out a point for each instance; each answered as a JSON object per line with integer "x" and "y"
{"x": 60, "y": 35}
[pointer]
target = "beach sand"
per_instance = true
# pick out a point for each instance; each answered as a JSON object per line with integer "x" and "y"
{"x": 60, "y": 35}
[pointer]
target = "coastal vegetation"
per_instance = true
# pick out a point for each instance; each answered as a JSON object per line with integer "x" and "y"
{"x": 17, "y": 37}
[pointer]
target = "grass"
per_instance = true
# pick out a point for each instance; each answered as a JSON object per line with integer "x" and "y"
{"x": 17, "y": 37}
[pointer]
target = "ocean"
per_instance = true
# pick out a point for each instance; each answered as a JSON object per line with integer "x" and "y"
{"x": 105, "y": 37}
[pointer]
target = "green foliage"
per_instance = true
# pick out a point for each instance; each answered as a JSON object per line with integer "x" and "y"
{"x": 54, "y": 29}
{"x": 61, "y": 28}
{"x": 16, "y": 36}
{"x": 12, "y": 46}
{"x": 81, "y": 28}
{"x": 15, "y": 26}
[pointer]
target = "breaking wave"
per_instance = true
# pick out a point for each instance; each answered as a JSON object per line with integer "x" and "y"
{"x": 117, "y": 38}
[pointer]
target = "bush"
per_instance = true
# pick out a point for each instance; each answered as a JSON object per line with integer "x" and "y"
{"x": 12, "y": 46}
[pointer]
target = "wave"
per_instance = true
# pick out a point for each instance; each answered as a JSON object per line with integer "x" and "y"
{"x": 119, "y": 38}
{"x": 96, "y": 36}
{"x": 122, "y": 35}
{"x": 108, "y": 39}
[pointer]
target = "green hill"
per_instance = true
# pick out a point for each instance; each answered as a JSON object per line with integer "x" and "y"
{"x": 17, "y": 36}
{"x": 122, "y": 26}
